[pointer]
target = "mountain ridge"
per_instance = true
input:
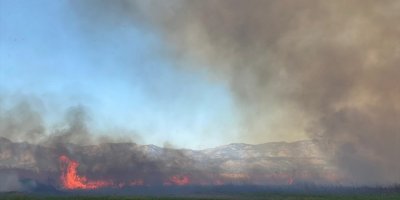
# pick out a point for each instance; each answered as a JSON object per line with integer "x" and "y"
{"x": 267, "y": 163}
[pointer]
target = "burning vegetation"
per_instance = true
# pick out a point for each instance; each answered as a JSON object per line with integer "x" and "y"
{"x": 70, "y": 179}
{"x": 128, "y": 165}
{"x": 303, "y": 67}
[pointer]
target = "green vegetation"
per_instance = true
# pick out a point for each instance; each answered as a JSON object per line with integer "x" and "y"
{"x": 259, "y": 196}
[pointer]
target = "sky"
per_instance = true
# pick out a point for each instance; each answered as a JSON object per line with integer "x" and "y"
{"x": 124, "y": 78}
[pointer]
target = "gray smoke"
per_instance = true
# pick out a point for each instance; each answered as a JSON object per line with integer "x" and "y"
{"x": 23, "y": 119}
{"x": 325, "y": 68}
{"x": 9, "y": 182}
{"x": 328, "y": 69}
{"x": 21, "y": 122}
{"x": 30, "y": 149}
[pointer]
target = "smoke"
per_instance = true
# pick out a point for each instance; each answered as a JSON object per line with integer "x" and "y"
{"x": 9, "y": 182}
{"x": 24, "y": 118}
{"x": 21, "y": 122}
{"x": 325, "y": 69}
{"x": 75, "y": 129}
{"x": 37, "y": 145}
{"x": 322, "y": 69}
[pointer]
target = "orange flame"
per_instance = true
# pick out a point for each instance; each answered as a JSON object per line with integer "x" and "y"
{"x": 177, "y": 180}
{"x": 290, "y": 181}
{"x": 71, "y": 180}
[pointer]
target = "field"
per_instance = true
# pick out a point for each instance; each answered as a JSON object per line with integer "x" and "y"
{"x": 247, "y": 196}
{"x": 295, "y": 192}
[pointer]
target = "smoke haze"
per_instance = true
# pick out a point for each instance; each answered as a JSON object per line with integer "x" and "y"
{"x": 324, "y": 69}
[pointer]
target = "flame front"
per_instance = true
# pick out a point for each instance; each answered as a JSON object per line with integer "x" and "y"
{"x": 71, "y": 180}
{"x": 178, "y": 180}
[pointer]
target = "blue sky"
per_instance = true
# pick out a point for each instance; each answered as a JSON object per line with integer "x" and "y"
{"x": 124, "y": 77}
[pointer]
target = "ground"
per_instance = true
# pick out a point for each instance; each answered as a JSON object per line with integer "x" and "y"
{"x": 247, "y": 196}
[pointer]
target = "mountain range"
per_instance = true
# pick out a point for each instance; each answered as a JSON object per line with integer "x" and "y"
{"x": 274, "y": 163}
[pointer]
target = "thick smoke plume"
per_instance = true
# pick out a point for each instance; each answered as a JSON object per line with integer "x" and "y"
{"x": 328, "y": 69}
{"x": 324, "y": 69}
{"x": 23, "y": 118}
{"x": 30, "y": 150}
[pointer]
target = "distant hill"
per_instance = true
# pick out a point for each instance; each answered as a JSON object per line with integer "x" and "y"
{"x": 273, "y": 163}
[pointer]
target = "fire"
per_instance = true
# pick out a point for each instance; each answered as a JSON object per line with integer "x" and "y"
{"x": 290, "y": 181}
{"x": 177, "y": 180}
{"x": 136, "y": 182}
{"x": 71, "y": 180}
